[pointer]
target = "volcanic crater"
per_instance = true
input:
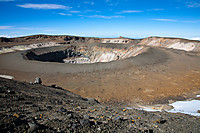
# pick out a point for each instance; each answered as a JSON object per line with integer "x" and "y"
{"x": 145, "y": 71}
{"x": 85, "y": 53}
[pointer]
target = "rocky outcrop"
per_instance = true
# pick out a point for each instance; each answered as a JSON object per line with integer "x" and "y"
{"x": 8, "y": 49}
{"x": 85, "y": 54}
{"x": 4, "y": 39}
{"x": 175, "y": 43}
{"x": 66, "y": 39}
{"x": 56, "y": 38}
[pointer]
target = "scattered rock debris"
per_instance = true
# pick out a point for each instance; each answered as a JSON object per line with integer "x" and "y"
{"x": 38, "y": 108}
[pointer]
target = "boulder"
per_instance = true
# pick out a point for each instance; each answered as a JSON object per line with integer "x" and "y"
{"x": 37, "y": 80}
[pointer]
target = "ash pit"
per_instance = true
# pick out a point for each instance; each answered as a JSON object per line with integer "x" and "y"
{"x": 85, "y": 54}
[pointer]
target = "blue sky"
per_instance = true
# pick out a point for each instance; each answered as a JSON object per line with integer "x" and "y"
{"x": 101, "y": 18}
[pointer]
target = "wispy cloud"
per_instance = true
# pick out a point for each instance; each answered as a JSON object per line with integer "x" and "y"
{"x": 112, "y": 3}
{"x": 44, "y": 6}
{"x": 6, "y": 0}
{"x": 167, "y": 20}
{"x": 105, "y": 17}
{"x": 91, "y": 11}
{"x": 19, "y": 28}
{"x": 156, "y": 9}
{"x": 129, "y": 11}
{"x": 13, "y": 27}
{"x": 5, "y": 27}
{"x": 63, "y": 14}
{"x": 173, "y": 20}
{"x": 88, "y": 2}
{"x": 189, "y": 21}
{"x": 193, "y": 5}
{"x": 74, "y": 11}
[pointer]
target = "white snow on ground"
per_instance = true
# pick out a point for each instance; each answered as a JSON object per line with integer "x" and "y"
{"x": 186, "y": 107}
{"x": 149, "y": 109}
{"x": 6, "y": 76}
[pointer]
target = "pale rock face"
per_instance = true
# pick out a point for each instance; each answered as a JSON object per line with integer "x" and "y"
{"x": 26, "y": 47}
{"x": 175, "y": 43}
{"x": 183, "y": 46}
{"x": 179, "y": 44}
{"x": 99, "y": 54}
{"x": 115, "y": 40}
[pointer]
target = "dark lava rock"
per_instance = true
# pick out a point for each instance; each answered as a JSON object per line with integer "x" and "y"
{"x": 62, "y": 110}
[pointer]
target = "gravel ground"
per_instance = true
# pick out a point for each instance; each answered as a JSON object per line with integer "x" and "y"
{"x": 27, "y": 107}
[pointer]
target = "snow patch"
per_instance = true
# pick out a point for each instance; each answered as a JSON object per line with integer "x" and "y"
{"x": 6, "y": 76}
{"x": 186, "y": 107}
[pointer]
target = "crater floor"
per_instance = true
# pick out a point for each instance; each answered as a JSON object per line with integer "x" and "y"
{"x": 136, "y": 72}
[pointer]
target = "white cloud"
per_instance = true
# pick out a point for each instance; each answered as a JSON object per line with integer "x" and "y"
{"x": 5, "y": 27}
{"x": 5, "y": 36}
{"x": 156, "y": 9}
{"x": 74, "y": 11}
{"x": 168, "y": 20}
{"x": 193, "y": 5}
{"x": 194, "y": 38}
{"x": 92, "y": 11}
{"x": 65, "y": 14}
{"x": 105, "y": 17}
{"x": 173, "y": 20}
{"x": 87, "y": 2}
{"x": 44, "y": 6}
{"x": 8, "y": 36}
{"x": 130, "y": 11}
{"x": 6, "y": 0}
{"x": 189, "y": 21}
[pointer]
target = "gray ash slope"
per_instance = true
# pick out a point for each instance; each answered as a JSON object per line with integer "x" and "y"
{"x": 29, "y": 107}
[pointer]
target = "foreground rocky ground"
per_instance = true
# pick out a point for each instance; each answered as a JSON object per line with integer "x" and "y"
{"x": 26, "y": 107}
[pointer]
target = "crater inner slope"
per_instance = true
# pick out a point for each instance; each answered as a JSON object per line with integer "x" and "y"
{"x": 85, "y": 54}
